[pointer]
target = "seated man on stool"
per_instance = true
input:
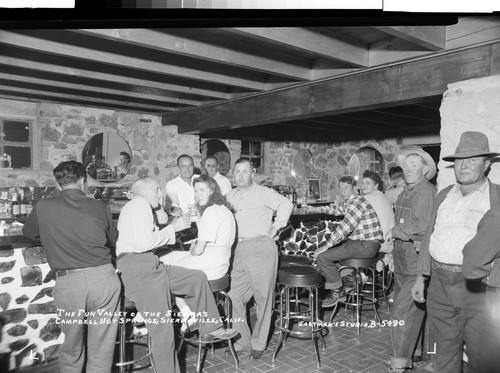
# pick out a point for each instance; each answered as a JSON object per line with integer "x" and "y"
{"x": 148, "y": 283}
{"x": 358, "y": 235}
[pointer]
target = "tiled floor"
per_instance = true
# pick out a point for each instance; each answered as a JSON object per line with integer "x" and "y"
{"x": 345, "y": 352}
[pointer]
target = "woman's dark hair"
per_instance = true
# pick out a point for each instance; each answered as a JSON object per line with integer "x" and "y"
{"x": 375, "y": 178}
{"x": 216, "y": 198}
{"x": 69, "y": 172}
{"x": 396, "y": 171}
{"x": 126, "y": 155}
{"x": 348, "y": 180}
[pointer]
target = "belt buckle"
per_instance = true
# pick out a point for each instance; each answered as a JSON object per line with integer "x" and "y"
{"x": 61, "y": 273}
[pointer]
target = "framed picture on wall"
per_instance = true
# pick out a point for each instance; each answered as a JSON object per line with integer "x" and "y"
{"x": 313, "y": 190}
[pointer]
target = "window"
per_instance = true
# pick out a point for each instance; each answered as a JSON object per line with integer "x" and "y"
{"x": 254, "y": 150}
{"x": 15, "y": 144}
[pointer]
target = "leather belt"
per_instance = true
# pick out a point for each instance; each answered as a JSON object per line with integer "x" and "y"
{"x": 256, "y": 238}
{"x": 130, "y": 253}
{"x": 447, "y": 267}
{"x": 66, "y": 272}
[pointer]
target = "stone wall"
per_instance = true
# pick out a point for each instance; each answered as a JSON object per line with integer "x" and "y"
{"x": 61, "y": 131}
{"x": 471, "y": 105}
{"x": 330, "y": 161}
{"x": 27, "y": 308}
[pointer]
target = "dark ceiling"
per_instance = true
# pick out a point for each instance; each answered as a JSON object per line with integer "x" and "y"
{"x": 164, "y": 71}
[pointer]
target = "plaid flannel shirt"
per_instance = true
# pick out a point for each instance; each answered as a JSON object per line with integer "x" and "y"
{"x": 360, "y": 222}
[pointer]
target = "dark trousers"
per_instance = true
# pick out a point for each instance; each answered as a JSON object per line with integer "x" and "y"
{"x": 405, "y": 310}
{"x": 91, "y": 296}
{"x": 457, "y": 315}
{"x": 327, "y": 261}
{"x": 148, "y": 284}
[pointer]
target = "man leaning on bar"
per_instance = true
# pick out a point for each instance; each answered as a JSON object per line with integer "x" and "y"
{"x": 75, "y": 232}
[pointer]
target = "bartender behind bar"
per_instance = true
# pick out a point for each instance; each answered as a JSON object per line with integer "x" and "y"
{"x": 75, "y": 231}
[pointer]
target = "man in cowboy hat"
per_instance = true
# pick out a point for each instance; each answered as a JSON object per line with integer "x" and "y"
{"x": 412, "y": 214}
{"x": 456, "y": 306}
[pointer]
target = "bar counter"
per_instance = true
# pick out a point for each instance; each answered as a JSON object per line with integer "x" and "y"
{"x": 27, "y": 309}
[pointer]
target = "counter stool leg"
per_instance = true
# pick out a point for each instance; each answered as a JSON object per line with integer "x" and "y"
{"x": 323, "y": 344}
{"x": 198, "y": 363}
{"x": 233, "y": 352}
{"x": 228, "y": 309}
{"x": 150, "y": 349}
{"x": 359, "y": 299}
{"x": 179, "y": 349}
{"x": 281, "y": 326}
{"x": 374, "y": 293}
{"x": 122, "y": 338}
{"x": 314, "y": 337}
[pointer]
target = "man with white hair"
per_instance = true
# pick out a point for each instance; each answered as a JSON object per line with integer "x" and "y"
{"x": 149, "y": 283}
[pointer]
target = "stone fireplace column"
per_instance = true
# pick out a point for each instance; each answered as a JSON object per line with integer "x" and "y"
{"x": 470, "y": 105}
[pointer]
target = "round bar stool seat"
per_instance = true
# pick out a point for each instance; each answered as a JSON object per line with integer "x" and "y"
{"x": 358, "y": 297}
{"x": 293, "y": 279}
{"x": 294, "y": 260}
{"x": 299, "y": 276}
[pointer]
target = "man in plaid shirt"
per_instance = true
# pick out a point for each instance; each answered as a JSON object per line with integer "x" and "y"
{"x": 358, "y": 235}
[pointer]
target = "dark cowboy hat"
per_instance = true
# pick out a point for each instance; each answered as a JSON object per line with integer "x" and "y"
{"x": 426, "y": 156}
{"x": 472, "y": 144}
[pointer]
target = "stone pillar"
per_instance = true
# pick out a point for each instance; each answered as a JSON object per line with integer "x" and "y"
{"x": 471, "y": 105}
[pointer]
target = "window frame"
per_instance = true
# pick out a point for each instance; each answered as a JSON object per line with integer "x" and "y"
{"x": 29, "y": 144}
{"x": 251, "y": 155}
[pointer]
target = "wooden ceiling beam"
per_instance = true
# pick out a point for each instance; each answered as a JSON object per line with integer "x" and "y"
{"x": 430, "y": 37}
{"x": 402, "y": 83}
{"x": 132, "y": 95}
{"x": 72, "y": 73}
{"x": 34, "y": 40}
{"x": 349, "y": 52}
{"x": 181, "y": 44}
{"x": 69, "y": 99}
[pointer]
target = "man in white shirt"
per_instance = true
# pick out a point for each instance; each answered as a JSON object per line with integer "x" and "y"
{"x": 456, "y": 307}
{"x": 212, "y": 167}
{"x": 149, "y": 283}
{"x": 180, "y": 190}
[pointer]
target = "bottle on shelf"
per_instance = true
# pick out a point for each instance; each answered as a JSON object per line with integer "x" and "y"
{"x": 23, "y": 204}
{"x": 6, "y": 204}
{"x": 16, "y": 206}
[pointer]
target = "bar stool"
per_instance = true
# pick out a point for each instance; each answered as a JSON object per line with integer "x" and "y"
{"x": 128, "y": 308}
{"x": 357, "y": 298}
{"x": 293, "y": 260}
{"x": 287, "y": 261}
{"x": 384, "y": 282}
{"x": 218, "y": 288}
{"x": 294, "y": 278}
